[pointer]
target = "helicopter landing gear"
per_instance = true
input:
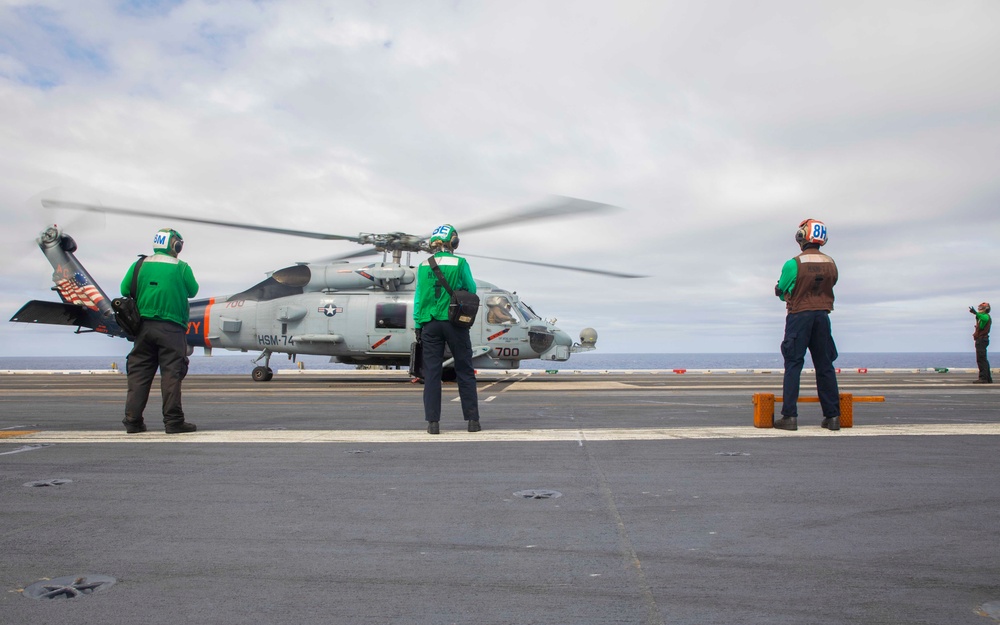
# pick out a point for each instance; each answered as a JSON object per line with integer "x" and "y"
{"x": 263, "y": 373}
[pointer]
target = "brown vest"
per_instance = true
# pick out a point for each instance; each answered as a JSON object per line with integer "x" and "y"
{"x": 984, "y": 332}
{"x": 817, "y": 273}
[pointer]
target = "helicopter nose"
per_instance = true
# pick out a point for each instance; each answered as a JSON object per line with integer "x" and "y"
{"x": 559, "y": 345}
{"x": 562, "y": 338}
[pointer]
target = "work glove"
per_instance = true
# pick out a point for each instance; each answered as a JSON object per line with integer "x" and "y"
{"x": 416, "y": 333}
{"x": 777, "y": 291}
{"x": 972, "y": 310}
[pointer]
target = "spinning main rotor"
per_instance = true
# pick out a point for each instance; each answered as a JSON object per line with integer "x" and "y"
{"x": 394, "y": 243}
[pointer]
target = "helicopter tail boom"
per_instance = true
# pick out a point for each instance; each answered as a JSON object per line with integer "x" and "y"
{"x": 84, "y": 304}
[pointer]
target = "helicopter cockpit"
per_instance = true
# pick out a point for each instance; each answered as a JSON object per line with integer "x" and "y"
{"x": 500, "y": 310}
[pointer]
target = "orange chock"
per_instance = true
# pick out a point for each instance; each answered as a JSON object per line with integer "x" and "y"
{"x": 763, "y": 408}
{"x": 846, "y": 410}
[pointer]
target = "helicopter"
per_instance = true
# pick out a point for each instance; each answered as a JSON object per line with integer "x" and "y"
{"x": 358, "y": 313}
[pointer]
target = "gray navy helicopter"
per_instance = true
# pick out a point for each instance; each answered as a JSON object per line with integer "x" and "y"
{"x": 358, "y": 313}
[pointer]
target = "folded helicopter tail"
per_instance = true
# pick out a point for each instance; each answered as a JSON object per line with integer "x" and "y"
{"x": 84, "y": 304}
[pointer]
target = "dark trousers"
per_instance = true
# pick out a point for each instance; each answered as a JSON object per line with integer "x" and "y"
{"x": 160, "y": 344}
{"x": 984, "y": 364}
{"x": 435, "y": 335}
{"x": 809, "y": 330}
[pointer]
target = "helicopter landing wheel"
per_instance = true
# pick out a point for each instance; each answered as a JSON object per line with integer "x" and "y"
{"x": 262, "y": 374}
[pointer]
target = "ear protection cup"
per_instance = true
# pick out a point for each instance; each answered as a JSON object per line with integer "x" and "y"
{"x": 445, "y": 234}
{"x": 176, "y": 242}
{"x": 168, "y": 239}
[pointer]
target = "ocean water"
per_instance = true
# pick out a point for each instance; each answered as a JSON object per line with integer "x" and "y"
{"x": 242, "y": 363}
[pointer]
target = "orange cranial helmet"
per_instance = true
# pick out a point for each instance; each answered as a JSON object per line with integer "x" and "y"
{"x": 811, "y": 231}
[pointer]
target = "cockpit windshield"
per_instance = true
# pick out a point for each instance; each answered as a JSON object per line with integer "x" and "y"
{"x": 528, "y": 313}
{"x": 500, "y": 310}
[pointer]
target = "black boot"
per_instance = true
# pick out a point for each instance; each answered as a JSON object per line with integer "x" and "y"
{"x": 787, "y": 423}
{"x": 134, "y": 427}
{"x": 433, "y": 427}
{"x": 831, "y": 423}
{"x": 180, "y": 427}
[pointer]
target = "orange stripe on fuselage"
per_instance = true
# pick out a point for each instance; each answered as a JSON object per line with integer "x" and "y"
{"x": 198, "y": 325}
{"x": 205, "y": 321}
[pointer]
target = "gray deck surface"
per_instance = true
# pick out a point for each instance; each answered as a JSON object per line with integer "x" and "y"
{"x": 320, "y": 499}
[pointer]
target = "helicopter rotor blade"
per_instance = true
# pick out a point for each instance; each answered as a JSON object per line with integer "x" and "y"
{"x": 558, "y": 206}
{"x": 49, "y": 203}
{"x": 77, "y": 223}
{"x": 614, "y": 274}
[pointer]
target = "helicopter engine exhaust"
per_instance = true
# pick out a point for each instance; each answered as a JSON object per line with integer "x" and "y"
{"x": 339, "y": 277}
{"x": 343, "y": 277}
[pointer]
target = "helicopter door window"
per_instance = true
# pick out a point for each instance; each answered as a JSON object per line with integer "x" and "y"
{"x": 390, "y": 316}
{"x": 499, "y": 310}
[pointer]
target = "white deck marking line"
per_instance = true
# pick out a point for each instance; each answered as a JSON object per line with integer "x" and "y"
{"x": 515, "y": 377}
{"x": 502, "y": 436}
{"x": 582, "y": 386}
{"x": 512, "y": 379}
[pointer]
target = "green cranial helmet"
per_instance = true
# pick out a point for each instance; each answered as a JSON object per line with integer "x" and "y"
{"x": 445, "y": 235}
{"x": 169, "y": 240}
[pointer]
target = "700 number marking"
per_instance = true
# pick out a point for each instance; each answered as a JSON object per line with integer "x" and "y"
{"x": 506, "y": 352}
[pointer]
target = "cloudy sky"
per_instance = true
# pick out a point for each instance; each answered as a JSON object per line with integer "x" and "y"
{"x": 715, "y": 126}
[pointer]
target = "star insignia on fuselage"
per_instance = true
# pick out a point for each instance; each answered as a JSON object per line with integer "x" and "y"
{"x": 331, "y": 309}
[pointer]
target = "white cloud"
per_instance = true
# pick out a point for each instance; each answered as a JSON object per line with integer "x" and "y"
{"x": 718, "y": 126}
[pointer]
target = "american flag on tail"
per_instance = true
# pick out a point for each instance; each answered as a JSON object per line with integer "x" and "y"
{"x": 79, "y": 291}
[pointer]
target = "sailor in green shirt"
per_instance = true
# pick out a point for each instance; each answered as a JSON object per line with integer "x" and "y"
{"x": 434, "y": 331}
{"x": 982, "y": 338}
{"x": 428, "y": 302}
{"x": 163, "y": 287}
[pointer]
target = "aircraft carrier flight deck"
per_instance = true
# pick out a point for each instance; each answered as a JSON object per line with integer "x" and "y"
{"x": 599, "y": 497}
